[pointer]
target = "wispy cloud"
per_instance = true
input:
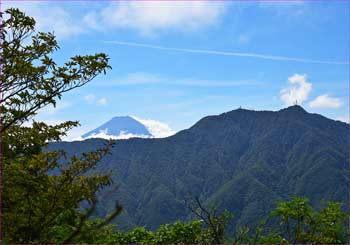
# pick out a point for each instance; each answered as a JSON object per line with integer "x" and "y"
{"x": 101, "y": 102}
{"x": 156, "y": 128}
{"x": 59, "y": 20}
{"x": 298, "y": 90}
{"x": 52, "y": 110}
{"x": 179, "y": 15}
{"x": 345, "y": 118}
{"x": 138, "y": 78}
{"x": 103, "y": 134}
{"x": 90, "y": 98}
{"x": 290, "y": 9}
{"x": 141, "y": 78}
{"x": 325, "y": 101}
{"x": 243, "y": 38}
{"x": 228, "y": 53}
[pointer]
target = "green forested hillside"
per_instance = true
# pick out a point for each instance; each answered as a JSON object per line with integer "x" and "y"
{"x": 243, "y": 161}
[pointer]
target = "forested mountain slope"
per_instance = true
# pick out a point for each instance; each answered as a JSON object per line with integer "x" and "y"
{"x": 242, "y": 160}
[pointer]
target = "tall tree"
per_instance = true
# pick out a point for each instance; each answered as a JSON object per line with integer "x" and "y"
{"x": 216, "y": 223}
{"x": 40, "y": 195}
{"x": 304, "y": 225}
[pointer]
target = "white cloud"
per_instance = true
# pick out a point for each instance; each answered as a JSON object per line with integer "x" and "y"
{"x": 101, "y": 102}
{"x": 89, "y": 98}
{"x": 325, "y": 101}
{"x": 139, "y": 78}
{"x": 50, "y": 17}
{"x": 104, "y": 135}
{"x": 343, "y": 118}
{"x": 51, "y": 110}
{"x": 145, "y": 17}
{"x": 147, "y": 78}
{"x": 148, "y": 17}
{"x": 298, "y": 90}
{"x": 288, "y": 9}
{"x": 243, "y": 38}
{"x": 156, "y": 128}
{"x": 90, "y": 20}
{"x": 216, "y": 83}
{"x": 74, "y": 134}
{"x": 51, "y": 122}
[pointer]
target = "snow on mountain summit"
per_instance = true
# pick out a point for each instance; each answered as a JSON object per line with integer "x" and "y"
{"x": 125, "y": 127}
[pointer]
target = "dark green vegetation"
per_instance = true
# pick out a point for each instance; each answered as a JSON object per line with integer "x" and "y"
{"x": 242, "y": 161}
{"x": 38, "y": 207}
{"x": 299, "y": 224}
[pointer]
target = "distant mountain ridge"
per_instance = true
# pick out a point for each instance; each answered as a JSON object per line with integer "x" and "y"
{"x": 119, "y": 127}
{"x": 243, "y": 161}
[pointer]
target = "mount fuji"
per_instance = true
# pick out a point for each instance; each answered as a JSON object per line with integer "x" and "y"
{"x": 125, "y": 127}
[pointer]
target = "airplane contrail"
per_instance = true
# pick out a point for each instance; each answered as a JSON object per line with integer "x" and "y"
{"x": 227, "y": 53}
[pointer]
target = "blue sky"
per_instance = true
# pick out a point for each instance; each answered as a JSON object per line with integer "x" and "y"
{"x": 176, "y": 62}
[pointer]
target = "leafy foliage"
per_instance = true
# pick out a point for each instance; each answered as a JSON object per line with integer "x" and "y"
{"x": 305, "y": 226}
{"x": 39, "y": 207}
{"x": 216, "y": 224}
{"x": 177, "y": 233}
{"x": 31, "y": 79}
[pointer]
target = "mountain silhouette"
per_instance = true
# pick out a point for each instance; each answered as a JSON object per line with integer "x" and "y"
{"x": 243, "y": 161}
{"x": 118, "y": 126}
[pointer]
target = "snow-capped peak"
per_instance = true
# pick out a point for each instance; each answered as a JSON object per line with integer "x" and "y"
{"x": 126, "y": 127}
